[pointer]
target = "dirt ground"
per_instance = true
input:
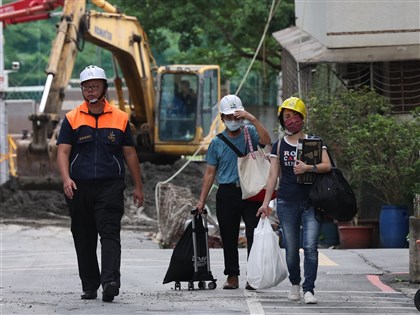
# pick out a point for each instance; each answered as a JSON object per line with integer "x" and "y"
{"x": 37, "y": 207}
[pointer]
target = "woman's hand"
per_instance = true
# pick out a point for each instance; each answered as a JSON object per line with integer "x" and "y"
{"x": 264, "y": 210}
{"x": 300, "y": 167}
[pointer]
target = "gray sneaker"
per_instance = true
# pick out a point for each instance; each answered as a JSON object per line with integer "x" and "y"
{"x": 294, "y": 293}
{"x": 309, "y": 298}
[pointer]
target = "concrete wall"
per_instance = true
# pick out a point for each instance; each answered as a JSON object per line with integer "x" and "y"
{"x": 349, "y": 23}
{"x": 18, "y": 112}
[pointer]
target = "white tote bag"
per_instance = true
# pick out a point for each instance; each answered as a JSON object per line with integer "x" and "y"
{"x": 266, "y": 266}
{"x": 253, "y": 172}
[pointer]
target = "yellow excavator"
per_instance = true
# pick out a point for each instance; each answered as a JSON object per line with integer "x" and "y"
{"x": 173, "y": 109}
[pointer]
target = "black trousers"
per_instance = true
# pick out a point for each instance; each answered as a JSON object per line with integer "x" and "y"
{"x": 230, "y": 208}
{"x": 96, "y": 209}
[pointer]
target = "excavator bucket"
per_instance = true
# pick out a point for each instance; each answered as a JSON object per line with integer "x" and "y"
{"x": 36, "y": 158}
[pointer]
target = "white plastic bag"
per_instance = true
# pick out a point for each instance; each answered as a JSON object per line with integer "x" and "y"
{"x": 266, "y": 266}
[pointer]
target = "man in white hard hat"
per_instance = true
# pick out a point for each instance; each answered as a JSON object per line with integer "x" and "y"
{"x": 222, "y": 162}
{"x": 93, "y": 144}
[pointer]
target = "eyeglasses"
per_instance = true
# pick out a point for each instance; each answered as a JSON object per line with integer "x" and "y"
{"x": 94, "y": 87}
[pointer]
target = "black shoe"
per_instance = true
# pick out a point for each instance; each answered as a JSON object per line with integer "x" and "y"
{"x": 89, "y": 295}
{"x": 248, "y": 287}
{"x": 111, "y": 289}
{"x": 107, "y": 298}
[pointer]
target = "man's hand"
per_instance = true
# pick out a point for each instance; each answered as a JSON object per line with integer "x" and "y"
{"x": 68, "y": 186}
{"x": 138, "y": 197}
{"x": 200, "y": 206}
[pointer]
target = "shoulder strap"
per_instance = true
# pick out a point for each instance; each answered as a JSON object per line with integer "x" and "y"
{"x": 248, "y": 140}
{"x": 230, "y": 144}
{"x": 328, "y": 151}
{"x": 278, "y": 160}
{"x": 331, "y": 159}
{"x": 278, "y": 150}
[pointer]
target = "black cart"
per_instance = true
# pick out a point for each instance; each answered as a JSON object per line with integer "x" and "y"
{"x": 190, "y": 261}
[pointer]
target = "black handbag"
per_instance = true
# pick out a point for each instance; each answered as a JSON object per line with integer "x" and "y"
{"x": 333, "y": 196}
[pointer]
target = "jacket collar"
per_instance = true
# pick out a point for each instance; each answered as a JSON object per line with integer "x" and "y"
{"x": 107, "y": 108}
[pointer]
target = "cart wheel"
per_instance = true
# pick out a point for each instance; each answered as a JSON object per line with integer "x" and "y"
{"x": 201, "y": 285}
{"x": 417, "y": 300}
{"x": 190, "y": 286}
{"x": 177, "y": 286}
{"x": 212, "y": 285}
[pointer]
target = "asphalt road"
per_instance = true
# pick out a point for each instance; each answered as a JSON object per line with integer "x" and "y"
{"x": 39, "y": 276}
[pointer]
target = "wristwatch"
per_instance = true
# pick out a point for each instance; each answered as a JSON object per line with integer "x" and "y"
{"x": 314, "y": 169}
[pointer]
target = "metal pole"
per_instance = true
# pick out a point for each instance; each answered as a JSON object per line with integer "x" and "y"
{"x": 45, "y": 93}
{"x": 4, "y": 147}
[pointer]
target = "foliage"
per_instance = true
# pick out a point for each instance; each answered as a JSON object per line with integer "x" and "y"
{"x": 221, "y": 32}
{"x": 31, "y": 46}
{"x": 387, "y": 156}
{"x": 370, "y": 145}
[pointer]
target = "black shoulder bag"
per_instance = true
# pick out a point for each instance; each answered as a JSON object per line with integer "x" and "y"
{"x": 333, "y": 196}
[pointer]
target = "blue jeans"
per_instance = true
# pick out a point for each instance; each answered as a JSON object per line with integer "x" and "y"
{"x": 293, "y": 215}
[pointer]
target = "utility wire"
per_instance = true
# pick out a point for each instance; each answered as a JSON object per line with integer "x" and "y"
{"x": 273, "y": 9}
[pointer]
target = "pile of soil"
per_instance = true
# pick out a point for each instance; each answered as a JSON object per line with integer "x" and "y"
{"x": 49, "y": 207}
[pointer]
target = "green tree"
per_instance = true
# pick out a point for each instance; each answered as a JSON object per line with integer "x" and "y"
{"x": 216, "y": 32}
{"x": 369, "y": 144}
{"x": 29, "y": 44}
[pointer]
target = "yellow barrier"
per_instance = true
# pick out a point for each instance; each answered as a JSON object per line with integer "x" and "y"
{"x": 11, "y": 155}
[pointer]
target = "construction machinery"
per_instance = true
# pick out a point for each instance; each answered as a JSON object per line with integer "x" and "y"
{"x": 163, "y": 132}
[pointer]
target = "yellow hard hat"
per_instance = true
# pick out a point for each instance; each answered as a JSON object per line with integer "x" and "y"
{"x": 295, "y": 104}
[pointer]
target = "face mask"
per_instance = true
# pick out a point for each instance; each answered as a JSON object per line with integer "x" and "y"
{"x": 293, "y": 124}
{"x": 233, "y": 125}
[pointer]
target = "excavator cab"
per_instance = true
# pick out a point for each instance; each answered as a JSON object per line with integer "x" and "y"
{"x": 178, "y": 107}
{"x": 187, "y": 106}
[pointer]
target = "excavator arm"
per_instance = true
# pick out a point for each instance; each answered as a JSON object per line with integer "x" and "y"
{"x": 28, "y": 10}
{"x": 160, "y": 135}
{"x": 125, "y": 38}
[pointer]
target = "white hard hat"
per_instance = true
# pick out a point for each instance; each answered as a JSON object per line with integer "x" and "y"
{"x": 92, "y": 72}
{"x": 230, "y": 103}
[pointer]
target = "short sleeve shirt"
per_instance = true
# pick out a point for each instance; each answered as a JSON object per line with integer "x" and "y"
{"x": 289, "y": 188}
{"x": 220, "y": 155}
